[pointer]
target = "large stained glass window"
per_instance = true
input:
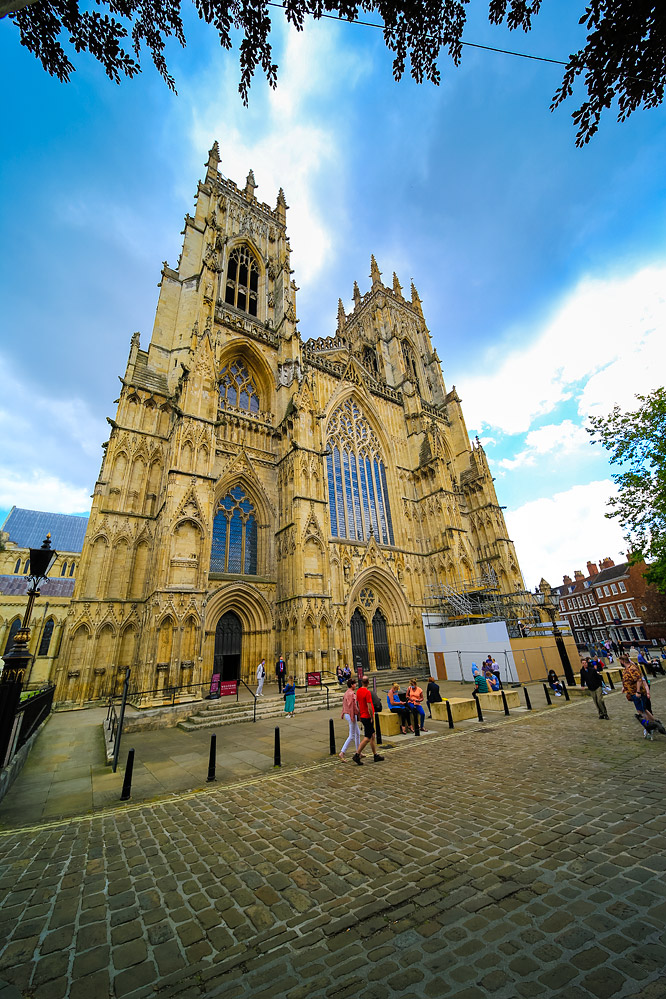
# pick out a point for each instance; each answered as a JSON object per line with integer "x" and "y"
{"x": 234, "y": 548}
{"x": 357, "y": 492}
{"x": 242, "y": 282}
{"x": 237, "y": 388}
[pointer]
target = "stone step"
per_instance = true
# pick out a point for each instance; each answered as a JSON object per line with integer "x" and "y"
{"x": 197, "y": 722}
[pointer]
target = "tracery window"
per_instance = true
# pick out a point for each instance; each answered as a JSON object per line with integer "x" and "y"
{"x": 234, "y": 546}
{"x": 357, "y": 491}
{"x": 370, "y": 360}
{"x": 241, "y": 287}
{"x": 237, "y": 388}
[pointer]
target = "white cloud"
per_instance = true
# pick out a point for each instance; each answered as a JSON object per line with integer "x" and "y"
{"x": 50, "y": 448}
{"x": 557, "y": 534}
{"x": 563, "y": 439}
{"x": 286, "y": 145}
{"x": 40, "y": 490}
{"x": 604, "y": 344}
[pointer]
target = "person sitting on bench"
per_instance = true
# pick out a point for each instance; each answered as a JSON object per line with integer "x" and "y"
{"x": 398, "y": 707}
{"x": 415, "y": 701}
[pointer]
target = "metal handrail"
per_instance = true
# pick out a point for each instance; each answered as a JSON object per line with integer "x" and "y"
{"x": 254, "y": 696}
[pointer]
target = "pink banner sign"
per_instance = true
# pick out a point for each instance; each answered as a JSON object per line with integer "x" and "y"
{"x": 215, "y": 685}
{"x": 228, "y": 687}
{"x": 313, "y": 679}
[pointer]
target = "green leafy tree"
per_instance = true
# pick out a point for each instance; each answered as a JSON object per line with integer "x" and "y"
{"x": 623, "y": 59}
{"x": 637, "y": 443}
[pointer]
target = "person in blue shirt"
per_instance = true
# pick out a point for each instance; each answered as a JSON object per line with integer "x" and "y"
{"x": 289, "y": 697}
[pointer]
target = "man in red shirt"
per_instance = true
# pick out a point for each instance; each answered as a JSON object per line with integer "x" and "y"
{"x": 367, "y": 713}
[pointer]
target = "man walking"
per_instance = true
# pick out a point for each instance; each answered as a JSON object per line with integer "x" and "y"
{"x": 595, "y": 684}
{"x": 367, "y": 715}
{"x": 261, "y": 676}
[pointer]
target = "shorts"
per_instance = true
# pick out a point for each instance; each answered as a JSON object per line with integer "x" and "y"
{"x": 639, "y": 702}
{"x": 368, "y": 727}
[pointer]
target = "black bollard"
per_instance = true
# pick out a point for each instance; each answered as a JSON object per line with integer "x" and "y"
{"x": 547, "y": 693}
{"x": 449, "y": 715}
{"x": 528, "y": 703}
{"x": 211, "y": 758}
{"x": 610, "y": 682}
{"x": 504, "y": 702}
{"x": 479, "y": 712}
{"x": 331, "y": 737}
{"x": 565, "y": 691}
{"x": 378, "y": 729}
{"x": 277, "y": 759}
{"x": 127, "y": 781}
{"x": 416, "y": 717}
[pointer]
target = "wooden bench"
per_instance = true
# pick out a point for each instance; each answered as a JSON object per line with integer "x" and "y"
{"x": 461, "y": 708}
{"x": 493, "y": 701}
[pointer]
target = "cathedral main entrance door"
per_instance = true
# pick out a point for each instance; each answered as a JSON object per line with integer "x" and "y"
{"x": 228, "y": 641}
{"x": 380, "y": 638}
{"x": 359, "y": 637}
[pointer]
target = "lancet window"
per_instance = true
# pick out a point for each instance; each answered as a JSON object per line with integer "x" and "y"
{"x": 234, "y": 547}
{"x": 237, "y": 388}
{"x": 358, "y": 498}
{"x": 410, "y": 363}
{"x": 242, "y": 283}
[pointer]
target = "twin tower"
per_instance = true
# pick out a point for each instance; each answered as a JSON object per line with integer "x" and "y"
{"x": 261, "y": 495}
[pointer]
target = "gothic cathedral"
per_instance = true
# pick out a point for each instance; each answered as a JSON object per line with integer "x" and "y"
{"x": 261, "y": 495}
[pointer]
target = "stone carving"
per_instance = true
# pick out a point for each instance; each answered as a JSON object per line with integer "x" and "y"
{"x": 288, "y": 371}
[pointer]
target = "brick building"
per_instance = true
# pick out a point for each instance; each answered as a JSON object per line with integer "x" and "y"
{"x": 613, "y": 602}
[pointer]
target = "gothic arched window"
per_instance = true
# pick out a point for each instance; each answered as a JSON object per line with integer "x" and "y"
{"x": 234, "y": 546}
{"x": 358, "y": 498}
{"x": 410, "y": 363}
{"x": 63, "y": 571}
{"x": 242, "y": 284}
{"x": 17, "y": 567}
{"x": 370, "y": 360}
{"x": 46, "y": 638}
{"x": 237, "y": 388}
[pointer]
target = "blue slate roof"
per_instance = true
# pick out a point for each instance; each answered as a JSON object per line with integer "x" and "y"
{"x": 28, "y": 528}
{"x": 17, "y": 586}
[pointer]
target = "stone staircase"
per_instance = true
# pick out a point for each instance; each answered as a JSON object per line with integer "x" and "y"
{"x": 228, "y": 711}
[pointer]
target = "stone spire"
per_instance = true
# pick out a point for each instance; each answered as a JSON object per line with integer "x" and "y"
{"x": 250, "y": 186}
{"x": 356, "y": 294}
{"x": 375, "y": 273}
{"x": 397, "y": 288}
{"x": 281, "y": 207}
{"x": 416, "y": 301}
{"x": 342, "y": 319}
{"x": 213, "y": 161}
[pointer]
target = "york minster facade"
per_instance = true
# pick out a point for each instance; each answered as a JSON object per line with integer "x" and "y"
{"x": 261, "y": 494}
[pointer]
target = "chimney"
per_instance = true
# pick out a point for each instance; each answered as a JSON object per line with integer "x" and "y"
{"x": 607, "y": 563}
{"x": 567, "y": 580}
{"x": 578, "y": 575}
{"x": 592, "y": 569}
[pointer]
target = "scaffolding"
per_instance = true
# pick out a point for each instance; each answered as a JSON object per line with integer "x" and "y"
{"x": 479, "y": 601}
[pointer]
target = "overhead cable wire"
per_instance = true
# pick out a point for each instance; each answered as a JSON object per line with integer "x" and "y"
{"x": 470, "y": 45}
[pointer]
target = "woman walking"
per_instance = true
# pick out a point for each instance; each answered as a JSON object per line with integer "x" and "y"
{"x": 350, "y": 714}
{"x": 289, "y": 697}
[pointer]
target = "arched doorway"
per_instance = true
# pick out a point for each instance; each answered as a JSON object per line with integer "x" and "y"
{"x": 228, "y": 641}
{"x": 359, "y": 637}
{"x": 380, "y": 639}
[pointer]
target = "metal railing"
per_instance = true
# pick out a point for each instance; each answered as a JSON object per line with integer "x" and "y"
{"x": 31, "y": 713}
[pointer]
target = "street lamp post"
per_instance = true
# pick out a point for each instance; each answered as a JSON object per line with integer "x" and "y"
{"x": 549, "y": 599}
{"x": 18, "y": 658}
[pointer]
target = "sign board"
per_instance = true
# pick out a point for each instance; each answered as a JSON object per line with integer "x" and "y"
{"x": 222, "y": 688}
{"x": 313, "y": 679}
{"x": 359, "y": 671}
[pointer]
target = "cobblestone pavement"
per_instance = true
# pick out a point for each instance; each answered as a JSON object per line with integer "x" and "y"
{"x": 525, "y": 859}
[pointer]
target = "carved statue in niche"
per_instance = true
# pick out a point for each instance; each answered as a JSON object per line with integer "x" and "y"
{"x": 288, "y": 371}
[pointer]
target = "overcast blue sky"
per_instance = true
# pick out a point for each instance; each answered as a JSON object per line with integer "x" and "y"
{"x": 541, "y": 267}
